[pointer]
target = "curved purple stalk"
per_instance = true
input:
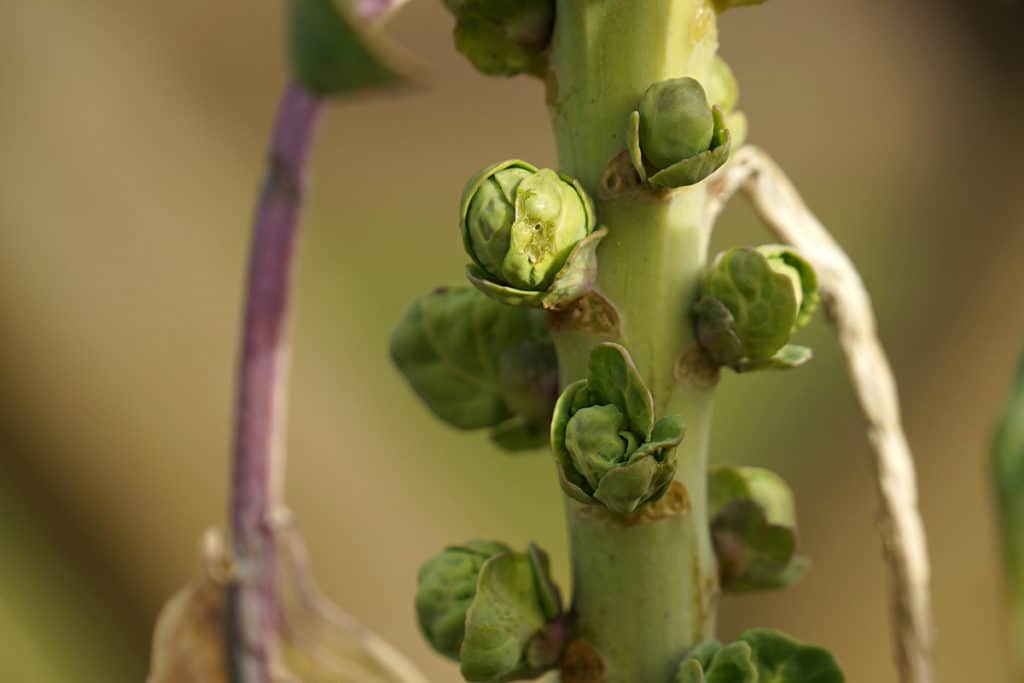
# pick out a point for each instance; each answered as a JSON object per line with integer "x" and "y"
{"x": 261, "y": 402}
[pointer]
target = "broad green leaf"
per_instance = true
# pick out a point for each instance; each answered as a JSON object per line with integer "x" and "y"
{"x": 447, "y": 586}
{"x": 504, "y": 617}
{"x": 759, "y": 656}
{"x": 329, "y": 53}
{"x": 477, "y": 364}
{"x": 733, "y": 664}
{"x": 781, "y": 659}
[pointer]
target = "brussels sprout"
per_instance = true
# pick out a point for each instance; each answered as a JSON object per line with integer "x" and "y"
{"x": 530, "y": 233}
{"x": 447, "y": 585}
{"x": 752, "y": 301}
{"x": 608, "y": 448}
{"x": 494, "y": 610}
{"x": 504, "y": 37}
{"x": 753, "y": 528}
{"x": 759, "y": 655}
{"x": 675, "y": 138}
{"x": 675, "y": 121}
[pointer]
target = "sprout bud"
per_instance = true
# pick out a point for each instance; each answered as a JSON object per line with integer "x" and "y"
{"x": 752, "y": 302}
{"x": 520, "y": 224}
{"x": 492, "y": 609}
{"x": 607, "y": 445}
{"x": 676, "y": 122}
{"x": 447, "y": 585}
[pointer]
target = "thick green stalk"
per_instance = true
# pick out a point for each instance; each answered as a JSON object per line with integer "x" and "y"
{"x": 644, "y": 588}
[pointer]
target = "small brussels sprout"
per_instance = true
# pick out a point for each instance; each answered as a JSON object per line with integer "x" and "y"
{"x": 447, "y": 585}
{"x": 675, "y": 121}
{"x": 759, "y": 655}
{"x": 675, "y": 138}
{"x": 495, "y": 611}
{"x": 530, "y": 233}
{"x": 752, "y": 301}
{"x": 504, "y": 37}
{"x": 607, "y": 446}
{"x": 753, "y": 528}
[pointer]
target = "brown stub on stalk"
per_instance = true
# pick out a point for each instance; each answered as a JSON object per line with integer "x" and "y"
{"x": 591, "y": 313}
{"x": 581, "y": 663}
{"x": 695, "y": 367}
{"x": 675, "y": 503}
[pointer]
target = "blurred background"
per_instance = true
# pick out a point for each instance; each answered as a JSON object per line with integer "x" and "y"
{"x": 132, "y": 146}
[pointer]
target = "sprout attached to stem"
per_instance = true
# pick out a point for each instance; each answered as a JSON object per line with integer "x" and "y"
{"x": 530, "y": 233}
{"x": 752, "y": 301}
{"x": 608, "y": 448}
{"x": 495, "y": 611}
{"x": 675, "y": 138}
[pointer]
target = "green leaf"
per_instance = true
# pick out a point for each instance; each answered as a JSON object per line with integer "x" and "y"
{"x": 759, "y": 656}
{"x": 329, "y": 54}
{"x": 477, "y": 364}
{"x": 613, "y": 379}
{"x": 753, "y": 529}
{"x": 447, "y": 585}
{"x": 781, "y": 659}
{"x": 503, "y": 618}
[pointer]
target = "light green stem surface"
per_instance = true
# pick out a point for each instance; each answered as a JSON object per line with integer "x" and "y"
{"x": 645, "y": 588}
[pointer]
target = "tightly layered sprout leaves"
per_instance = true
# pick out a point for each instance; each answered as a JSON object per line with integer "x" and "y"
{"x": 487, "y": 607}
{"x": 759, "y": 656}
{"x": 752, "y": 301}
{"x": 530, "y": 234}
{"x": 607, "y": 446}
{"x": 675, "y": 138}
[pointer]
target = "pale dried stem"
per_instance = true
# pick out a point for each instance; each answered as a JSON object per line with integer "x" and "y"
{"x": 777, "y": 202}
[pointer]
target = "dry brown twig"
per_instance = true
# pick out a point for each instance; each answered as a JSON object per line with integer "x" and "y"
{"x": 849, "y": 309}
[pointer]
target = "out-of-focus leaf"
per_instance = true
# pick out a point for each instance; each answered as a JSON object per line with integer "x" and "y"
{"x": 781, "y": 659}
{"x": 759, "y": 656}
{"x": 476, "y": 363}
{"x": 318, "y": 642}
{"x": 753, "y": 528}
{"x": 330, "y": 53}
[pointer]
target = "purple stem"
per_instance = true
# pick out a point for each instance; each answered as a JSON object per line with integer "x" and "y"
{"x": 261, "y": 408}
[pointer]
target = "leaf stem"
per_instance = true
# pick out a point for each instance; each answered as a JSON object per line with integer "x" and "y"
{"x": 261, "y": 400}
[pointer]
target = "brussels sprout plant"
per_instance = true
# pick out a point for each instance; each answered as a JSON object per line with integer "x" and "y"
{"x": 593, "y": 327}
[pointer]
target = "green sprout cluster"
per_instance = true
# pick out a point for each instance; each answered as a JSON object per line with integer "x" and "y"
{"x": 607, "y": 445}
{"x": 483, "y": 357}
{"x": 494, "y": 610}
